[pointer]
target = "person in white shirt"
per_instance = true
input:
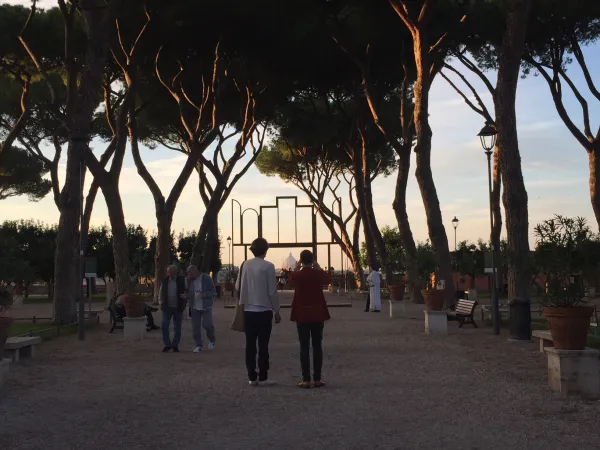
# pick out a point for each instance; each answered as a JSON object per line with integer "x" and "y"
{"x": 373, "y": 280}
{"x": 257, "y": 290}
{"x": 201, "y": 292}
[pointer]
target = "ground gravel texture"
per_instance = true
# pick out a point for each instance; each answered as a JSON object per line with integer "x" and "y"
{"x": 388, "y": 387}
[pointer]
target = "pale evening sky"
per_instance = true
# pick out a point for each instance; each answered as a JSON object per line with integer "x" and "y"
{"x": 555, "y": 168}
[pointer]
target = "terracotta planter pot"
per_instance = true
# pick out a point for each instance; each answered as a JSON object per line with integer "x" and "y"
{"x": 229, "y": 287}
{"x": 569, "y": 326}
{"x": 134, "y": 305}
{"x": 434, "y": 299}
{"x": 5, "y": 323}
{"x": 396, "y": 291}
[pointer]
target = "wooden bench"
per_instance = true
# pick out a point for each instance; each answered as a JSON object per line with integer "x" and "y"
{"x": 21, "y": 346}
{"x": 116, "y": 320}
{"x": 463, "y": 312}
{"x": 545, "y": 338}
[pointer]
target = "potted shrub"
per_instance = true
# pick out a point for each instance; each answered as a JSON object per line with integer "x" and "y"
{"x": 134, "y": 305}
{"x": 561, "y": 256}
{"x": 6, "y": 301}
{"x": 433, "y": 297}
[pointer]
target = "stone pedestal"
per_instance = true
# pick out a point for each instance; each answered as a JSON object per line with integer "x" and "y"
{"x": 4, "y": 370}
{"x": 436, "y": 322}
{"x": 397, "y": 309}
{"x": 134, "y": 328}
{"x": 574, "y": 371}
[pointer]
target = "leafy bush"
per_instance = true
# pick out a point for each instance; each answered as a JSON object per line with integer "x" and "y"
{"x": 566, "y": 249}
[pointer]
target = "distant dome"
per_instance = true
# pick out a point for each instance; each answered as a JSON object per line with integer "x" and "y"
{"x": 289, "y": 262}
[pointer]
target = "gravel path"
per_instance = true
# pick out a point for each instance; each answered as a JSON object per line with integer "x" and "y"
{"x": 389, "y": 386}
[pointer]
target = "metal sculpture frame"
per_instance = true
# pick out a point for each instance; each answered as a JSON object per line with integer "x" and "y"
{"x": 259, "y": 220}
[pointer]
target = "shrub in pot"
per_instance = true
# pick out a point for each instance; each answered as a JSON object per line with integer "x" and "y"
{"x": 134, "y": 305}
{"x": 6, "y": 301}
{"x": 561, "y": 256}
{"x": 433, "y": 297}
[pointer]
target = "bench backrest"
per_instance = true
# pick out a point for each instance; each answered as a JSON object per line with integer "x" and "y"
{"x": 465, "y": 307}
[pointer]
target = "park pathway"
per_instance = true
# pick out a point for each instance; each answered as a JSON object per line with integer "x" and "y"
{"x": 389, "y": 387}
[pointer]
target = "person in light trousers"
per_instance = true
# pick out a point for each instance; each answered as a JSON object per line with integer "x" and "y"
{"x": 201, "y": 292}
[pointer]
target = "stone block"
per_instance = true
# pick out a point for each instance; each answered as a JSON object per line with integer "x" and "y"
{"x": 574, "y": 371}
{"x": 134, "y": 328}
{"x": 436, "y": 322}
{"x": 397, "y": 309}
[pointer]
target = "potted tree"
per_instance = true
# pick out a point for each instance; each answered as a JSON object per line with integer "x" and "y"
{"x": 6, "y": 301}
{"x": 561, "y": 256}
{"x": 432, "y": 296}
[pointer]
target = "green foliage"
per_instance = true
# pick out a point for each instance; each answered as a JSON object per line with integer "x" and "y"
{"x": 470, "y": 259}
{"x": 6, "y": 300}
{"x": 393, "y": 245}
{"x": 26, "y": 252}
{"x": 185, "y": 246}
{"x": 566, "y": 249}
{"x": 22, "y": 174}
{"x": 426, "y": 261}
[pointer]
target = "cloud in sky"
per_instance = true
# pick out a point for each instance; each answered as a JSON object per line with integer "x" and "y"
{"x": 555, "y": 169}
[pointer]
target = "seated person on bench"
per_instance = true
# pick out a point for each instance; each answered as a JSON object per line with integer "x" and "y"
{"x": 120, "y": 309}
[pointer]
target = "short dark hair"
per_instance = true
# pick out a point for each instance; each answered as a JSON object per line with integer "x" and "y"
{"x": 259, "y": 247}
{"x": 306, "y": 257}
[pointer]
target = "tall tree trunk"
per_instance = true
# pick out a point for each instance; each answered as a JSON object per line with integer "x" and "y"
{"x": 119, "y": 236}
{"x": 370, "y": 215}
{"x": 67, "y": 277}
{"x": 594, "y": 163}
{"x": 408, "y": 242}
{"x": 82, "y": 100}
{"x": 198, "y": 251}
{"x": 162, "y": 254}
{"x": 87, "y": 214}
{"x": 497, "y": 214}
{"x": 435, "y": 224}
{"x": 514, "y": 195}
{"x": 358, "y": 269}
{"x": 367, "y": 224}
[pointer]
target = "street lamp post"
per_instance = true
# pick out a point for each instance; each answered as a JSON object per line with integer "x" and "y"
{"x": 455, "y": 225}
{"x": 229, "y": 256}
{"x": 488, "y": 136}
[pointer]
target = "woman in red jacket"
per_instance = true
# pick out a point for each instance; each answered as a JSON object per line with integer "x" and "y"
{"x": 309, "y": 311}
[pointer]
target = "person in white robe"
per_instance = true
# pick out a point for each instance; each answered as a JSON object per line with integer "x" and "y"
{"x": 374, "y": 282}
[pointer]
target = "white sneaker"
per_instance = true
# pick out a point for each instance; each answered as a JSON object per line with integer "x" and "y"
{"x": 197, "y": 349}
{"x": 253, "y": 383}
{"x": 211, "y": 345}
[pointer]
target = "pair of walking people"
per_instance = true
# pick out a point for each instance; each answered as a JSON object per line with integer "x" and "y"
{"x": 197, "y": 292}
{"x": 257, "y": 289}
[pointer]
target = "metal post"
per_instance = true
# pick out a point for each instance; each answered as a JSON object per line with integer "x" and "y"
{"x": 81, "y": 322}
{"x": 455, "y": 238}
{"x": 89, "y": 284}
{"x": 495, "y": 308}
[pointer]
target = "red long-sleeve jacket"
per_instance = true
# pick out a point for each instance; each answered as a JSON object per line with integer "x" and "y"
{"x": 309, "y": 303}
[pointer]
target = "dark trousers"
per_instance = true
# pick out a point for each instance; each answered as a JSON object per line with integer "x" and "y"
{"x": 258, "y": 328}
{"x": 306, "y": 333}
{"x": 367, "y": 307}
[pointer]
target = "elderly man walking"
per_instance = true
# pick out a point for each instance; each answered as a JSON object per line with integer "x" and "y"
{"x": 172, "y": 298}
{"x": 201, "y": 292}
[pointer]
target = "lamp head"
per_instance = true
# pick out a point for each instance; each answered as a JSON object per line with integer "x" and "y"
{"x": 488, "y": 136}
{"x": 455, "y": 222}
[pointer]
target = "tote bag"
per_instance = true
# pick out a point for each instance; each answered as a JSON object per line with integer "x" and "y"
{"x": 237, "y": 324}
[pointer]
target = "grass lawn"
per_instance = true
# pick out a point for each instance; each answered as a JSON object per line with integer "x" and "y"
{"x": 46, "y": 330}
{"x": 34, "y": 299}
